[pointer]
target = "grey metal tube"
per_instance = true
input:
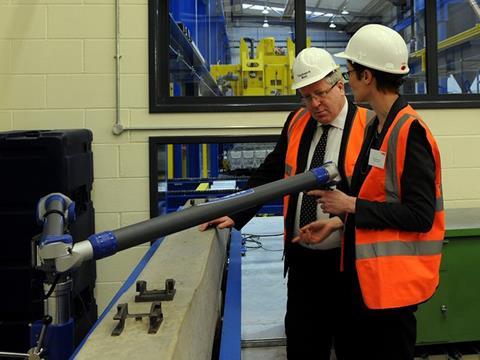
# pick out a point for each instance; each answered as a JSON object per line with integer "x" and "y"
{"x": 14, "y": 355}
{"x": 152, "y": 229}
{"x": 54, "y": 221}
{"x": 58, "y": 304}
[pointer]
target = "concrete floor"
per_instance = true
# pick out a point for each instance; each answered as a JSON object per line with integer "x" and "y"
{"x": 264, "y": 290}
{"x": 264, "y": 353}
{"x": 264, "y": 295}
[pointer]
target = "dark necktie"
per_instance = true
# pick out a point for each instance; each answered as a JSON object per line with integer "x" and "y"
{"x": 308, "y": 210}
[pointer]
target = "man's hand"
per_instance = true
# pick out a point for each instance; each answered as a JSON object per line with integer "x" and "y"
{"x": 318, "y": 231}
{"x": 334, "y": 201}
{"x": 221, "y": 223}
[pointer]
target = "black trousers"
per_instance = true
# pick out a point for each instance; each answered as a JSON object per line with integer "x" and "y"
{"x": 312, "y": 304}
{"x": 388, "y": 334}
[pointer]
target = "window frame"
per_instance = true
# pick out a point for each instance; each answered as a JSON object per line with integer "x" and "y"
{"x": 155, "y": 141}
{"x": 161, "y": 102}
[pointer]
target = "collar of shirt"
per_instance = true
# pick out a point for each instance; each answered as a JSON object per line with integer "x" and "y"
{"x": 339, "y": 121}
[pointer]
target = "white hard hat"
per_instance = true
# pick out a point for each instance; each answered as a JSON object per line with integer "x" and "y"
{"x": 311, "y": 65}
{"x": 378, "y": 47}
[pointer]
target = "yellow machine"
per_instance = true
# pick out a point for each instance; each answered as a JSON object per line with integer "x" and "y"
{"x": 268, "y": 72}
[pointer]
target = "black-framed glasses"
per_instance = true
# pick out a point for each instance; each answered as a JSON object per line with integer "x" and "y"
{"x": 346, "y": 74}
{"x": 317, "y": 95}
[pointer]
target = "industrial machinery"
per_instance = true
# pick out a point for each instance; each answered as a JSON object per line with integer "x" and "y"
{"x": 265, "y": 70}
{"x": 59, "y": 256}
{"x": 213, "y": 168}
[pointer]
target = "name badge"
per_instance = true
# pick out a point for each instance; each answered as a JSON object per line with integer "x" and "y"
{"x": 377, "y": 158}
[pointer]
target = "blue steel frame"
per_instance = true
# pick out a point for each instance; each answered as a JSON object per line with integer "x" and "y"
{"x": 230, "y": 345}
{"x": 177, "y": 161}
{"x": 213, "y": 159}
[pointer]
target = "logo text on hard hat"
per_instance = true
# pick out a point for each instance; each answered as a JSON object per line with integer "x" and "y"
{"x": 304, "y": 74}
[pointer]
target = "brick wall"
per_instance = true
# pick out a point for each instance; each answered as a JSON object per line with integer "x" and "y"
{"x": 57, "y": 71}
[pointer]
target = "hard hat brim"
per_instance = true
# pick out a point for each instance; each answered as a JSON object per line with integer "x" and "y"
{"x": 307, "y": 82}
{"x": 343, "y": 55}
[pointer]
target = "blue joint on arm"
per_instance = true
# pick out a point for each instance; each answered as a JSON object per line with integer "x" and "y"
{"x": 53, "y": 198}
{"x": 322, "y": 175}
{"x": 104, "y": 244}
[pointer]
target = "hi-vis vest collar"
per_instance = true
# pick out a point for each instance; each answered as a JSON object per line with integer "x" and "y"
{"x": 299, "y": 121}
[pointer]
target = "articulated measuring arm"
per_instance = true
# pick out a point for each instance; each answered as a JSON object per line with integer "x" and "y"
{"x": 60, "y": 255}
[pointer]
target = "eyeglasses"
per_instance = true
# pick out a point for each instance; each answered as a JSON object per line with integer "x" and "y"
{"x": 346, "y": 74}
{"x": 317, "y": 95}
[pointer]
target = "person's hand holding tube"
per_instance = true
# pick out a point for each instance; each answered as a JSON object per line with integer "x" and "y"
{"x": 223, "y": 222}
{"x": 334, "y": 202}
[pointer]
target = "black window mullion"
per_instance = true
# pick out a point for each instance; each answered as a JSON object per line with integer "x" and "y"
{"x": 300, "y": 25}
{"x": 158, "y": 42}
{"x": 431, "y": 48}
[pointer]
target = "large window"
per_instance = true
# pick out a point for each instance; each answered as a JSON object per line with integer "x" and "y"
{"x": 458, "y": 24}
{"x": 244, "y": 50}
{"x": 330, "y": 28}
{"x": 217, "y": 55}
{"x": 184, "y": 168}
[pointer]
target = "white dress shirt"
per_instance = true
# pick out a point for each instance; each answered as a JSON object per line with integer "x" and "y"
{"x": 331, "y": 154}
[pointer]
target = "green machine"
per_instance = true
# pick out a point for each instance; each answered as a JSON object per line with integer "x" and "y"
{"x": 452, "y": 315}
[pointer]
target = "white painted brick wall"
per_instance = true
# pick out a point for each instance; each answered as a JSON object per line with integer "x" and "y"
{"x": 57, "y": 71}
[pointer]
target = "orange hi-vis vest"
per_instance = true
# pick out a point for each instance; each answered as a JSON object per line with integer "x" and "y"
{"x": 296, "y": 128}
{"x": 398, "y": 268}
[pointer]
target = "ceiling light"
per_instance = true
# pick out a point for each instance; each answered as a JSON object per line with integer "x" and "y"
{"x": 328, "y": 15}
{"x": 265, "y": 10}
{"x": 265, "y": 23}
{"x": 332, "y": 25}
{"x": 345, "y": 12}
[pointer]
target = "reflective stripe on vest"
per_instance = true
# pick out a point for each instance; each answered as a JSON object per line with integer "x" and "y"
{"x": 398, "y": 248}
{"x": 439, "y": 203}
{"x": 288, "y": 170}
{"x": 383, "y": 256}
{"x": 392, "y": 187}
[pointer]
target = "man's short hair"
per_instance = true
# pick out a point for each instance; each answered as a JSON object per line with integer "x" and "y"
{"x": 385, "y": 81}
{"x": 334, "y": 77}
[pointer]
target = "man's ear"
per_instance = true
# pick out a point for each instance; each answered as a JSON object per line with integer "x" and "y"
{"x": 367, "y": 76}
